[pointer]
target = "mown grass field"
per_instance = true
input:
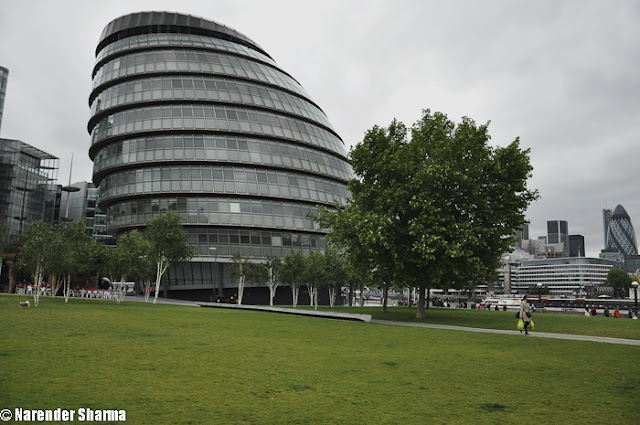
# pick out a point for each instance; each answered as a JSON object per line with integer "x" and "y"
{"x": 168, "y": 364}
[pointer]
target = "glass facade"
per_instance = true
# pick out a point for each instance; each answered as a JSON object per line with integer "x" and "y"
{"x": 620, "y": 235}
{"x": 191, "y": 116}
{"x": 27, "y": 188}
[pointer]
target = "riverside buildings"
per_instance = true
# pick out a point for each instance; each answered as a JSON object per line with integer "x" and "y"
{"x": 192, "y": 116}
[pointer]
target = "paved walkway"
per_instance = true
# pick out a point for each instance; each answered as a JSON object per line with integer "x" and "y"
{"x": 506, "y": 332}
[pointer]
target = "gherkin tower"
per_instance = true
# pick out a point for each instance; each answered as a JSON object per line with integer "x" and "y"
{"x": 620, "y": 233}
{"x": 192, "y": 116}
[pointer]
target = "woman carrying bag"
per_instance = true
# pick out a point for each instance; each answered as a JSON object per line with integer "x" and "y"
{"x": 525, "y": 315}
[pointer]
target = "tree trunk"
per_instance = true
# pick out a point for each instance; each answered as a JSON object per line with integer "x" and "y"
{"x": 332, "y": 296}
{"x": 385, "y": 298}
{"x": 420, "y": 313}
{"x": 240, "y": 289}
{"x": 295, "y": 292}
{"x": 310, "y": 291}
{"x": 147, "y": 290}
{"x": 67, "y": 288}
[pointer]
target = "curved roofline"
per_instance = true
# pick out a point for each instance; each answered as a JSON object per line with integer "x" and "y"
{"x": 620, "y": 212}
{"x": 163, "y": 22}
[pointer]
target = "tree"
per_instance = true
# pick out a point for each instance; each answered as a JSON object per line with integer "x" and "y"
{"x": 129, "y": 259}
{"x": 292, "y": 271}
{"x": 314, "y": 275}
{"x": 239, "y": 270}
{"x": 273, "y": 266}
{"x": 620, "y": 281}
{"x": 433, "y": 210}
{"x": 336, "y": 275}
{"x": 36, "y": 254}
{"x": 76, "y": 254}
{"x": 168, "y": 244}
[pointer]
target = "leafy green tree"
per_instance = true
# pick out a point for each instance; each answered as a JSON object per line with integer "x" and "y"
{"x": 129, "y": 259}
{"x": 292, "y": 271}
{"x": 436, "y": 209}
{"x": 76, "y": 254}
{"x": 168, "y": 242}
{"x": 315, "y": 276}
{"x": 37, "y": 254}
{"x": 620, "y": 281}
{"x": 334, "y": 264}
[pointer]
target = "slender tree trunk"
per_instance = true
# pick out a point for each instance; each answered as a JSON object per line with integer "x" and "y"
{"x": 332, "y": 296}
{"x": 272, "y": 293}
{"x": 162, "y": 267}
{"x": 241, "y": 282}
{"x": 67, "y": 288}
{"x": 310, "y": 291}
{"x": 295, "y": 292}
{"x": 420, "y": 313}
{"x": 147, "y": 290}
{"x": 385, "y": 297}
{"x": 315, "y": 297}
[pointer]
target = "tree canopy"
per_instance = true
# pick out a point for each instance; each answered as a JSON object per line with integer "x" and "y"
{"x": 620, "y": 281}
{"x": 433, "y": 207}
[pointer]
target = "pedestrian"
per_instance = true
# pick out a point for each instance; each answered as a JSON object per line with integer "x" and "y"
{"x": 525, "y": 314}
{"x": 593, "y": 311}
{"x": 586, "y": 312}
{"x": 616, "y": 313}
{"x": 606, "y": 312}
{"x": 630, "y": 312}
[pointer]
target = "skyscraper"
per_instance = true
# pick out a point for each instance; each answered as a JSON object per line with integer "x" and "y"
{"x": 606, "y": 217}
{"x": 192, "y": 116}
{"x": 620, "y": 234}
{"x": 558, "y": 232}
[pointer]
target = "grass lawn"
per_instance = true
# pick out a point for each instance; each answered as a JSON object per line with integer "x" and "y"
{"x": 168, "y": 364}
{"x": 489, "y": 319}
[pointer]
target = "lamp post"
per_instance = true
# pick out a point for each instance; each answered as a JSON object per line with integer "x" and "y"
{"x": 635, "y": 294}
{"x": 540, "y": 295}
{"x": 215, "y": 261}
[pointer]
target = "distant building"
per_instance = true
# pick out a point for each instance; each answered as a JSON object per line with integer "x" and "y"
{"x": 576, "y": 246}
{"x": 558, "y": 232}
{"x": 522, "y": 234}
{"x": 27, "y": 177}
{"x": 620, "y": 233}
{"x": 606, "y": 218}
{"x": 83, "y": 203}
{"x": 563, "y": 276}
{"x": 4, "y": 76}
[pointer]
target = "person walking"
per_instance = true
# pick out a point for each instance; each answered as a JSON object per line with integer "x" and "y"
{"x": 525, "y": 314}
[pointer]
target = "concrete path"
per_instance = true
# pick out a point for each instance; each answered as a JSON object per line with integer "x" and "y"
{"x": 507, "y": 332}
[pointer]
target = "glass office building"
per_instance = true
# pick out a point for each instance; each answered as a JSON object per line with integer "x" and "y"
{"x": 27, "y": 184}
{"x": 192, "y": 116}
{"x": 620, "y": 235}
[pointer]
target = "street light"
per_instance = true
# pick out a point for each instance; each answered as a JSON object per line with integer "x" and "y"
{"x": 635, "y": 294}
{"x": 540, "y": 295}
{"x": 215, "y": 261}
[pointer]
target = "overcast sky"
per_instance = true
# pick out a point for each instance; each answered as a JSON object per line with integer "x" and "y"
{"x": 563, "y": 76}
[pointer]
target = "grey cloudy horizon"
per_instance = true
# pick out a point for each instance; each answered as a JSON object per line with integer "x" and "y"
{"x": 562, "y": 76}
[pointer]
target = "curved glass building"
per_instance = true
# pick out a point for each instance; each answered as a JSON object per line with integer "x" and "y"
{"x": 192, "y": 116}
{"x": 620, "y": 234}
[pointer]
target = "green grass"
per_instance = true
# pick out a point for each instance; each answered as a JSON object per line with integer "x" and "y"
{"x": 489, "y": 319}
{"x": 169, "y": 364}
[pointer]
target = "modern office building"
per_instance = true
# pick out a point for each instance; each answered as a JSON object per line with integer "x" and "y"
{"x": 4, "y": 76}
{"x": 558, "y": 232}
{"x": 620, "y": 233}
{"x": 563, "y": 276}
{"x": 192, "y": 116}
{"x": 606, "y": 218}
{"x": 27, "y": 180}
{"x": 576, "y": 246}
{"x": 82, "y": 203}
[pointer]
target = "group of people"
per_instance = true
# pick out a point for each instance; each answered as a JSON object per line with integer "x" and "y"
{"x": 607, "y": 313}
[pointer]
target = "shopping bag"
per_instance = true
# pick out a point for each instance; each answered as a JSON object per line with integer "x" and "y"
{"x": 520, "y": 324}
{"x": 531, "y": 325}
